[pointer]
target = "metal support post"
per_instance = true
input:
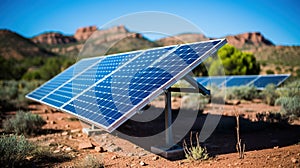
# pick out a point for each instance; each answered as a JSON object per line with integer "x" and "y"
{"x": 168, "y": 119}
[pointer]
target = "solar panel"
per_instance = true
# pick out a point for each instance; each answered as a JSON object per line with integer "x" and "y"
{"x": 259, "y": 81}
{"x": 262, "y": 81}
{"x": 212, "y": 81}
{"x": 240, "y": 80}
{"x": 217, "y": 81}
{"x": 108, "y": 97}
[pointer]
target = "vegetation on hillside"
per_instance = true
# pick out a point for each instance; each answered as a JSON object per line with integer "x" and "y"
{"x": 40, "y": 68}
{"x": 13, "y": 45}
{"x": 50, "y": 68}
{"x": 280, "y": 55}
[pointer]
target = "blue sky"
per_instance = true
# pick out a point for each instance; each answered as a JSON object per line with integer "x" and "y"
{"x": 277, "y": 20}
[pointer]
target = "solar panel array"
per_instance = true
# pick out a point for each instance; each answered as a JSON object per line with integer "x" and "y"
{"x": 108, "y": 90}
{"x": 259, "y": 81}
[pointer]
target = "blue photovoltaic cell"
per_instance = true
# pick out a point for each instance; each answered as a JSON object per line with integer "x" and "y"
{"x": 87, "y": 78}
{"x": 61, "y": 78}
{"x": 239, "y": 80}
{"x": 263, "y": 81}
{"x": 112, "y": 90}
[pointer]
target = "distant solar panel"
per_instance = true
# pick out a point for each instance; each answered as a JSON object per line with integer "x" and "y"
{"x": 259, "y": 81}
{"x": 218, "y": 81}
{"x": 212, "y": 81}
{"x": 110, "y": 90}
{"x": 240, "y": 80}
{"x": 262, "y": 81}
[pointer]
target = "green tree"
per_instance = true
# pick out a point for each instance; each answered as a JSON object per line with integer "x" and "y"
{"x": 235, "y": 62}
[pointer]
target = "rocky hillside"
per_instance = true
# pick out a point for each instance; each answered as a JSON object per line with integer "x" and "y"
{"x": 278, "y": 59}
{"x": 82, "y": 34}
{"x": 245, "y": 40}
{"x": 119, "y": 39}
{"x": 103, "y": 39}
{"x": 53, "y": 38}
{"x": 252, "y": 39}
{"x": 13, "y": 45}
{"x": 265, "y": 51}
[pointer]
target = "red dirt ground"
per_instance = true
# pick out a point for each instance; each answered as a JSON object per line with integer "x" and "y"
{"x": 270, "y": 147}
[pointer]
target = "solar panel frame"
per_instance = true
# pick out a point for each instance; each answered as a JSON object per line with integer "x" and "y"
{"x": 150, "y": 97}
{"x": 261, "y": 86}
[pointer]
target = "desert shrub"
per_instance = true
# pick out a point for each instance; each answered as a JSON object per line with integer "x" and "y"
{"x": 263, "y": 63}
{"x": 290, "y": 90}
{"x": 242, "y": 92}
{"x": 195, "y": 152}
{"x": 278, "y": 69}
{"x": 269, "y": 94}
{"x": 269, "y": 71}
{"x": 12, "y": 94}
{"x": 290, "y": 105}
{"x": 14, "y": 150}
{"x": 24, "y": 123}
{"x": 8, "y": 94}
{"x": 289, "y": 98}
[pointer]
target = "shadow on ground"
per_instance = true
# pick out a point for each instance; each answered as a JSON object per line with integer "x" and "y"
{"x": 255, "y": 135}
